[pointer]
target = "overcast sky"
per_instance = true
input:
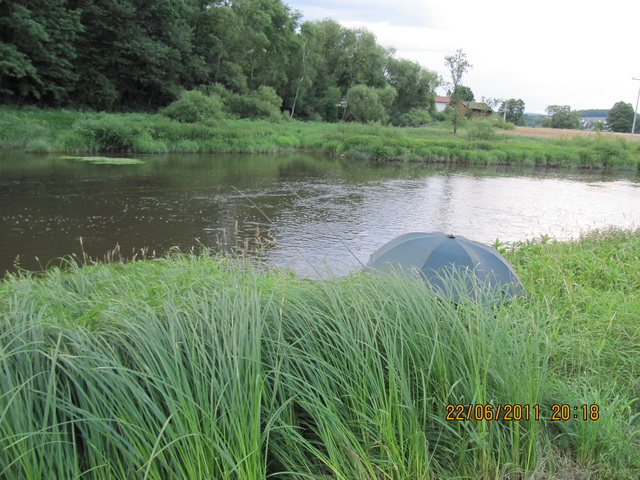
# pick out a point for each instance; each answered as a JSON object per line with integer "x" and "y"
{"x": 546, "y": 52}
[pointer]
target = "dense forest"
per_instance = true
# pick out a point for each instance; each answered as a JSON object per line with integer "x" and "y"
{"x": 136, "y": 55}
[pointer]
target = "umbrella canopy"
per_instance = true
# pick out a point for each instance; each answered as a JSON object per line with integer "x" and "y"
{"x": 452, "y": 265}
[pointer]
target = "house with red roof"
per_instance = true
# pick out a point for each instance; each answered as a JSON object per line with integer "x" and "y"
{"x": 442, "y": 102}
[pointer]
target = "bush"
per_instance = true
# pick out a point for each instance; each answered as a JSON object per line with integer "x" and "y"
{"x": 39, "y": 145}
{"x": 416, "y": 117}
{"x": 500, "y": 123}
{"x": 480, "y": 130}
{"x": 264, "y": 103}
{"x": 146, "y": 144}
{"x": 108, "y": 133}
{"x": 194, "y": 106}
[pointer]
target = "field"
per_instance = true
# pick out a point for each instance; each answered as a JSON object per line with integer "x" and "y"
{"x": 193, "y": 366}
{"x": 567, "y": 134}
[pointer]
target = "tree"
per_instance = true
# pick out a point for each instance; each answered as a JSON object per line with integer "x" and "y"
{"x": 561, "y": 116}
{"x": 463, "y": 94}
{"x": 514, "y": 111}
{"x": 134, "y": 54}
{"x": 37, "y": 47}
{"x": 327, "y": 61}
{"x": 415, "y": 87}
{"x": 620, "y": 118}
{"x": 366, "y": 104}
{"x": 458, "y": 66}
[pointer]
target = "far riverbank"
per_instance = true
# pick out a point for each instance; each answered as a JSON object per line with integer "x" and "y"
{"x": 76, "y": 132}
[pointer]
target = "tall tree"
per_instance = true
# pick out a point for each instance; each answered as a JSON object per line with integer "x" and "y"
{"x": 269, "y": 39}
{"x": 457, "y": 65}
{"x": 620, "y": 118}
{"x": 133, "y": 53}
{"x": 415, "y": 87}
{"x": 561, "y": 116}
{"x": 217, "y": 39}
{"x": 463, "y": 94}
{"x": 514, "y": 111}
{"x": 37, "y": 47}
{"x": 333, "y": 59}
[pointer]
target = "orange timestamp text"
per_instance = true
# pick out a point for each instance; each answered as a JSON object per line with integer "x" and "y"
{"x": 507, "y": 412}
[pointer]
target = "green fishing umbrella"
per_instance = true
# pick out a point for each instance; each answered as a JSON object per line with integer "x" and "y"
{"x": 451, "y": 265}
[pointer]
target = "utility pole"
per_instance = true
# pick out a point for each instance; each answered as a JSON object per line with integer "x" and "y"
{"x": 635, "y": 112}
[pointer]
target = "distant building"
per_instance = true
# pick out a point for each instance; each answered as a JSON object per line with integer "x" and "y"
{"x": 478, "y": 109}
{"x": 442, "y": 102}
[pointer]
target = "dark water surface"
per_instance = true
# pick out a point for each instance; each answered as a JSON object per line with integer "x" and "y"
{"x": 323, "y": 214}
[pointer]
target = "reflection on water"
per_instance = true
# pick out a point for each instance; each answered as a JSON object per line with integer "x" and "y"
{"x": 324, "y": 214}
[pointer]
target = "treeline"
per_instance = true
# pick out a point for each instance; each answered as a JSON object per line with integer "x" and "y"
{"x": 140, "y": 55}
{"x": 594, "y": 113}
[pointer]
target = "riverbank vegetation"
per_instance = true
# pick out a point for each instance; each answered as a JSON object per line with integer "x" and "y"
{"x": 479, "y": 143}
{"x": 197, "y": 367}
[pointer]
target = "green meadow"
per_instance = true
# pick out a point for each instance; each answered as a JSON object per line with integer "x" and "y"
{"x": 199, "y": 366}
{"x": 81, "y": 133}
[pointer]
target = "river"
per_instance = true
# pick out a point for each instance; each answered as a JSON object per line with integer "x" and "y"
{"x": 316, "y": 215}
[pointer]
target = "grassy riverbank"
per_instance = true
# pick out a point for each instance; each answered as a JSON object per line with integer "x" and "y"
{"x": 64, "y": 131}
{"x": 198, "y": 367}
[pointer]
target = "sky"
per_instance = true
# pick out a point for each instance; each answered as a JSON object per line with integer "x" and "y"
{"x": 546, "y": 52}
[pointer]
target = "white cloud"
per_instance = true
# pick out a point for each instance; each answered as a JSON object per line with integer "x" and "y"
{"x": 568, "y": 52}
{"x": 404, "y": 13}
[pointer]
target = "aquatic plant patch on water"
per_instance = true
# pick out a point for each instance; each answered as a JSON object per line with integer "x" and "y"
{"x": 105, "y": 160}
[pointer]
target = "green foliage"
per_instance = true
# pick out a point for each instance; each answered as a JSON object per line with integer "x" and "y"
{"x": 620, "y": 118}
{"x": 514, "y": 111}
{"x": 108, "y": 134}
{"x": 77, "y": 132}
{"x": 268, "y": 375}
{"x": 594, "y": 113}
{"x": 194, "y": 106}
{"x": 463, "y": 94}
{"x": 141, "y": 55}
{"x": 37, "y": 48}
{"x": 416, "y": 117}
{"x": 414, "y": 86}
{"x": 457, "y": 65}
{"x": 612, "y": 152}
{"x": 501, "y": 124}
{"x": 134, "y": 54}
{"x": 263, "y": 103}
{"x": 480, "y": 129}
{"x": 561, "y": 116}
{"x": 365, "y": 104}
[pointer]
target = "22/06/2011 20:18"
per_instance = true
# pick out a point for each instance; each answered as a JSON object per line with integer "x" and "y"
{"x": 559, "y": 412}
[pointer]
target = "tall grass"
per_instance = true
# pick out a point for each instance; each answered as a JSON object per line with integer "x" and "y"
{"x": 586, "y": 292}
{"x": 197, "y": 367}
{"x": 76, "y": 132}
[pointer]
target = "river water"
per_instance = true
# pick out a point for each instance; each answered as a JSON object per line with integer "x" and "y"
{"x": 316, "y": 215}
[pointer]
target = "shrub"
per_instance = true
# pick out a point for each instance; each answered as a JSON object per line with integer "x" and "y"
{"x": 108, "y": 133}
{"x": 610, "y": 152}
{"x": 500, "y": 123}
{"x": 185, "y": 146}
{"x": 194, "y": 106}
{"x": 264, "y": 103}
{"x": 416, "y": 117}
{"x": 146, "y": 144}
{"x": 39, "y": 145}
{"x": 366, "y": 104}
{"x": 480, "y": 130}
